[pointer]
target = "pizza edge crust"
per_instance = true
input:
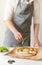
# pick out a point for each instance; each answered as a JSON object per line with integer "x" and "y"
{"x": 26, "y": 55}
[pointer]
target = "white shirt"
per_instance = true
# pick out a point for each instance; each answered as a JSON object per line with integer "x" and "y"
{"x": 10, "y": 8}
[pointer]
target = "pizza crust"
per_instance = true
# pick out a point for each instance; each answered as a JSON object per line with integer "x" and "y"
{"x": 24, "y": 53}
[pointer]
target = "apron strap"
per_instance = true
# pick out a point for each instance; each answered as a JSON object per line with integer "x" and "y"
{"x": 19, "y": 2}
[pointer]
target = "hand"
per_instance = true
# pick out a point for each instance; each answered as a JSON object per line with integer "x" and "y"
{"x": 37, "y": 42}
{"x": 18, "y": 36}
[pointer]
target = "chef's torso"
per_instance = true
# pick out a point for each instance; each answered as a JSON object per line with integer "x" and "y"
{"x": 22, "y": 20}
{"x": 23, "y": 17}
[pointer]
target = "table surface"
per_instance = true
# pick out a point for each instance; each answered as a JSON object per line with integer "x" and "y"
{"x": 4, "y": 61}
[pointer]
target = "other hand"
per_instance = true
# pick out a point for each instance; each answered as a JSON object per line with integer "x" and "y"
{"x": 37, "y": 42}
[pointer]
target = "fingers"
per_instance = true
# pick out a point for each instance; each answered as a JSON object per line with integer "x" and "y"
{"x": 20, "y": 38}
{"x": 40, "y": 46}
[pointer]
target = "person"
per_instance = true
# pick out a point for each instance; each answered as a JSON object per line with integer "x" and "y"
{"x": 18, "y": 18}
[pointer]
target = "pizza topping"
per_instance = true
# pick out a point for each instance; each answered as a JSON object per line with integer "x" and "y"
{"x": 30, "y": 52}
{"x": 27, "y": 50}
{"x": 21, "y": 49}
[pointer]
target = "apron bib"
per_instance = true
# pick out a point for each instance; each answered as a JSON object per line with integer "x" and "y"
{"x": 22, "y": 21}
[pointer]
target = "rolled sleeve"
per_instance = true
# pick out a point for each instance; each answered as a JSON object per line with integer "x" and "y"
{"x": 36, "y": 16}
{"x": 8, "y": 13}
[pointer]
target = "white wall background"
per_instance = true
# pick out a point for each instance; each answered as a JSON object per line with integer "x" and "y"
{"x": 2, "y": 25}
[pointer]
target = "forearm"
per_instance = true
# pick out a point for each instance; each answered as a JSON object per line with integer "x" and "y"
{"x": 10, "y": 26}
{"x": 16, "y": 33}
{"x": 36, "y": 18}
{"x": 36, "y": 31}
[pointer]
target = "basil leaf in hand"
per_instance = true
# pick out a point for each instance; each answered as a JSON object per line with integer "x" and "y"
{"x": 22, "y": 42}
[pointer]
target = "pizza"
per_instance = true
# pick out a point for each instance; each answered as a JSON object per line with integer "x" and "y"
{"x": 25, "y": 51}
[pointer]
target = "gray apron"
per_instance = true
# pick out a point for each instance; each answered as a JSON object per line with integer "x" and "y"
{"x": 22, "y": 21}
